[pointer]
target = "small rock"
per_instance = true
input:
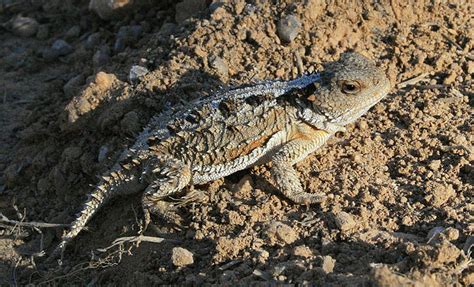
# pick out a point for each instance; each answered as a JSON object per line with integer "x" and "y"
{"x": 108, "y": 9}
{"x": 130, "y": 33}
{"x": 101, "y": 57}
{"x": 73, "y": 32}
{"x": 328, "y": 264}
{"x": 58, "y": 49}
{"x": 281, "y": 234}
{"x": 181, "y": 257}
{"x": 62, "y": 47}
{"x": 136, "y": 72}
{"x": 103, "y": 151}
{"x": 344, "y": 221}
{"x": 167, "y": 29}
{"x": 288, "y": 28}
{"x": 119, "y": 45}
{"x": 126, "y": 36}
{"x": 219, "y": 65}
{"x": 72, "y": 86}
{"x": 24, "y": 26}
{"x": 188, "y": 8}
{"x": 92, "y": 41}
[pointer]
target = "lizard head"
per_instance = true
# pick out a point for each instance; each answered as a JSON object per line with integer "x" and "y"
{"x": 348, "y": 88}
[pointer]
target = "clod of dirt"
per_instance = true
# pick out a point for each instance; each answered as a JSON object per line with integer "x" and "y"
{"x": 435, "y": 165}
{"x": 384, "y": 277}
{"x": 92, "y": 95}
{"x": 288, "y": 28}
{"x": 181, "y": 257}
{"x": 24, "y": 26}
{"x": 219, "y": 65}
{"x": 303, "y": 251}
{"x": 328, "y": 264}
{"x": 344, "y": 221}
{"x": 438, "y": 193}
{"x": 108, "y": 9}
{"x": 278, "y": 233}
{"x": 188, "y": 8}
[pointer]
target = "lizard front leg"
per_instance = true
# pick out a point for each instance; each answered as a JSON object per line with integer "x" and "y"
{"x": 305, "y": 141}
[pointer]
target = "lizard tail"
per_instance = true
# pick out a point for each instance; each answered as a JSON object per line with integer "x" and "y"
{"x": 122, "y": 179}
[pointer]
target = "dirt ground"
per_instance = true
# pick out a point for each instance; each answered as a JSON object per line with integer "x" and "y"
{"x": 400, "y": 181}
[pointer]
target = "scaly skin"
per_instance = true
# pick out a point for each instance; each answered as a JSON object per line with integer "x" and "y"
{"x": 277, "y": 121}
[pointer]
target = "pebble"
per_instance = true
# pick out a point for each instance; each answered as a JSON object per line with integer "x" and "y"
{"x": 103, "y": 151}
{"x": 126, "y": 36}
{"x": 181, "y": 257}
{"x": 72, "y": 86}
{"x": 62, "y": 47}
{"x": 101, "y": 57}
{"x": 58, "y": 49}
{"x": 136, "y": 72}
{"x": 344, "y": 221}
{"x": 92, "y": 41}
{"x": 24, "y": 26}
{"x": 218, "y": 64}
{"x": 167, "y": 29}
{"x": 288, "y": 28}
{"x": 108, "y": 9}
{"x": 73, "y": 32}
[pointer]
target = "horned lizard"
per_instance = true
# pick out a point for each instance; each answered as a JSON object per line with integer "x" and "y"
{"x": 277, "y": 121}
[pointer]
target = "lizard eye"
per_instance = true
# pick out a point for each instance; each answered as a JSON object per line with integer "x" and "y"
{"x": 350, "y": 87}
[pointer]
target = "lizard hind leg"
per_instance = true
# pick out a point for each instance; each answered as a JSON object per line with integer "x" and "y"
{"x": 166, "y": 178}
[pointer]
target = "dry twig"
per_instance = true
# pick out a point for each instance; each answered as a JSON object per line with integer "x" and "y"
{"x": 5, "y": 219}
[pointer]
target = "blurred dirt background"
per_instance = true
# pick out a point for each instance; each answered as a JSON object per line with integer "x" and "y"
{"x": 79, "y": 80}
